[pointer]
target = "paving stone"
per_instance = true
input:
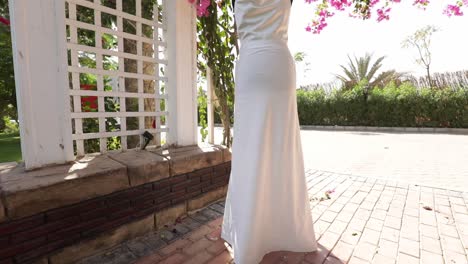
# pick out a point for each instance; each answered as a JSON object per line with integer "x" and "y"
{"x": 119, "y": 255}
{"x": 380, "y": 259}
{"x": 342, "y": 251}
{"x": 409, "y": 247}
{"x": 388, "y": 249}
{"x": 452, "y": 244}
{"x": 407, "y": 259}
{"x": 211, "y": 214}
{"x": 431, "y": 245}
{"x": 429, "y": 257}
{"x": 217, "y": 207}
{"x": 365, "y": 251}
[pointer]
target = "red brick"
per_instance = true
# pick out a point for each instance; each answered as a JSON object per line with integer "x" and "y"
{"x": 193, "y": 194}
{"x": 96, "y": 213}
{"x": 198, "y": 186}
{"x": 44, "y": 229}
{"x": 161, "y": 185}
{"x": 178, "y": 179}
{"x": 121, "y": 213}
{"x": 14, "y": 250}
{"x": 151, "y": 259}
{"x": 76, "y": 209}
{"x": 127, "y": 194}
{"x": 43, "y": 250}
{"x": 21, "y": 224}
{"x": 177, "y": 258}
{"x": 144, "y": 211}
{"x": 214, "y": 235}
{"x": 4, "y": 241}
{"x": 199, "y": 233}
{"x": 179, "y": 199}
{"x": 175, "y": 246}
{"x": 217, "y": 247}
{"x": 213, "y": 187}
{"x": 201, "y": 172}
{"x": 206, "y": 177}
{"x": 170, "y": 196}
{"x": 200, "y": 257}
{"x": 75, "y": 229}
{"x": 222, "y": 258}
{"x": 196, "y": 247}
{"x": 183, "y": 185}
{"x": 147, "y": 198}
{"x": 108, "y": 225}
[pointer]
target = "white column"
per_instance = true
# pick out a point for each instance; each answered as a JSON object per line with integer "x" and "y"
{"x": 210, "y": 105}
{"x": 181, "y": 72}
{"x": 40, "y": 62}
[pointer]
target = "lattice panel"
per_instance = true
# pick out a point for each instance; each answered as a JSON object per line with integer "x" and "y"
{"x": 116, "y": 65}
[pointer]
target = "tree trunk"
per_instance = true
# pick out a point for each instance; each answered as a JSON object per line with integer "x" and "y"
{"x": 429, "y": 79}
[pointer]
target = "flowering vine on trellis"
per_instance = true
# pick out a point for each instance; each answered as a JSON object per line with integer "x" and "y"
{"x": 362, "y": 9}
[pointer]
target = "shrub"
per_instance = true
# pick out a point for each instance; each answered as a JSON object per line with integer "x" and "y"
{"x": 392, "y": 106}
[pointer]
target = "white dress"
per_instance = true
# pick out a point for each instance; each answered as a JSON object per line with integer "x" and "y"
{"x": 267, "y": 206}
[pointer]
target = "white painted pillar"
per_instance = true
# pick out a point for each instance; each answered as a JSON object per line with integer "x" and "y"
{"x": 181, "y": 72}
{"x": 210, "y": 104}
{"x": 40, "y": 61}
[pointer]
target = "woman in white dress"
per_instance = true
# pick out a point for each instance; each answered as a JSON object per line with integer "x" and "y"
{"x": 267, "y": 206}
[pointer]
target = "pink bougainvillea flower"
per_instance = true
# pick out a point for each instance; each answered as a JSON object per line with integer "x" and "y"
{"x": 453, "y": 10}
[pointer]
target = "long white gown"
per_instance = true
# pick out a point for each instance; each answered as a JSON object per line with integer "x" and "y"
{"x": 267, "y": 206}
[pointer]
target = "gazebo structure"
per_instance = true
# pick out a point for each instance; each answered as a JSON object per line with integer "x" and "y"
{"x": 96, "y": 82}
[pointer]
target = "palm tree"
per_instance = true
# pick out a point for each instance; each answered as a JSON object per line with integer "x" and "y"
{"x": 358, "y": 70}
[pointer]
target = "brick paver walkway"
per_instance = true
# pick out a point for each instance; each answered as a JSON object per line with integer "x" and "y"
{"x": 364, "y": 220}
{"x": 438, "y": 160}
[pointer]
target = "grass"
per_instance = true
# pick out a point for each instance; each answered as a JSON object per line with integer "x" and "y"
{"x": 10, "y": 148}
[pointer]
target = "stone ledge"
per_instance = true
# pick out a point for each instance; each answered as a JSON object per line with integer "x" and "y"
{"x": 26, "y": 193}
{"x": 29, "y": 192}
{"x": 143, "y": 166}
{"x": 191, "y": 158}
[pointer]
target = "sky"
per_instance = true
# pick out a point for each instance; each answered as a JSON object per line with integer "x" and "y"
{"x": 348, "y": 36}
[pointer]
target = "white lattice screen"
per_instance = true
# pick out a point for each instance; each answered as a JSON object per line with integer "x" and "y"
{"x": 116, "y": 65}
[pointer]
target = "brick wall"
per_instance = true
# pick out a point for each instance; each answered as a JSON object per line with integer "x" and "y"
{"x": 28, "y": 239}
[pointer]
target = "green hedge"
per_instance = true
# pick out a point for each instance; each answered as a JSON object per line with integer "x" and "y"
{"x": 392, "y": 106}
